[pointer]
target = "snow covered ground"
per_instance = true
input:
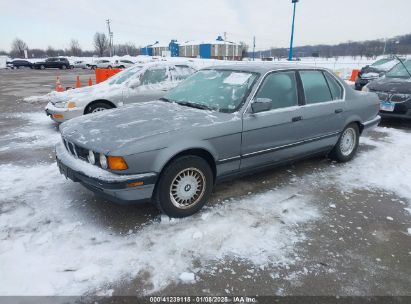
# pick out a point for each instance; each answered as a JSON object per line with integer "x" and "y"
{"x": 49, "y": 247}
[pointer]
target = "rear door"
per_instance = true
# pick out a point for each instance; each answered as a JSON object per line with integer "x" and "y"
{"x": 324, "y": 106}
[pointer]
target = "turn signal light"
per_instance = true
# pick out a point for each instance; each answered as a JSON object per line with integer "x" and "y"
{"x": 58, "y": 116}
{"x": 135, "y": 184}
{"x": 117, "y": 163}
{"x": 71, "y": 105}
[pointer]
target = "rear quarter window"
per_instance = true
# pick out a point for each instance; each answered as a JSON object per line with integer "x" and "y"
{"x": 335, "y": 87}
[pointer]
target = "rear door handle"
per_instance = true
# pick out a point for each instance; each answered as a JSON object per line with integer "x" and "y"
{"x": 297, "y": 118}
{"x": 339, "y": 110}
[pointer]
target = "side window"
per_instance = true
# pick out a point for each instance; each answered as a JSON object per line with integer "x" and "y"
{"x": 281, "y": 88}
{"x": 335, "y": 87}
{"x": 315, "y": 87}
{"x": 152, "y": 76}
{"x": 181, "y": 72}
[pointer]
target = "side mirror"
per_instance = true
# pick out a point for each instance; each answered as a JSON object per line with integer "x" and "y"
{"x": 261, "y": 105}
{"x": 134, "y": 83}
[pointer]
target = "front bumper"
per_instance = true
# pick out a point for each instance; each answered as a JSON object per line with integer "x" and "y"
{"x": 114, "y": 187}
{"x": 62, "y": 114}
{"x": 393, "y": 115}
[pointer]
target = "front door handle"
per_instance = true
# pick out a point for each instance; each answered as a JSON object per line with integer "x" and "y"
{"x": 339, "y": 111}
{"x": 297, "y": 118}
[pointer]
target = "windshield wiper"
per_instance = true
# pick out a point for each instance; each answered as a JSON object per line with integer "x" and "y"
{"x": 164, "y": 99}
{"x": 195, "y": 105}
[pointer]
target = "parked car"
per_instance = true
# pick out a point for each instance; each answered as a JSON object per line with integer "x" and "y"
{"x": 102, "y": 64}
{"x": 374, "y": 71}
{"x": 59, "y": 63}
{"x": 394, "y": 91}
{"x": 123, "y": 63}
{"x": 136, "y": 84}
{"x": 219, "y": 123}
{"x": 19, "y": 63}
{"x": 80, "y": 64}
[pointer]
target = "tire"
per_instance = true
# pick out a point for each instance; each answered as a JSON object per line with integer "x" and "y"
{"x": 109, "y": 67}
{"x": 42, "y": 67}
{"x": 97, "y": 107}
{"x": 347, "y": 144}
{"x": 122, "y": 67}
{"x": 72, "y": 67}
{"x": 178, "y": 184}
{"x": 63, "y": 67}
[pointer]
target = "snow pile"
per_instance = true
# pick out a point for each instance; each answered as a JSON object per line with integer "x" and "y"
{"x": 385, "y": 167}
{"x": 39, "y": 131}
{"x": 46, "y": 248}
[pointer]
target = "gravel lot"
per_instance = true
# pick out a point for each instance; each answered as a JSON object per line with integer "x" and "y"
{"x": 311, "y": 228}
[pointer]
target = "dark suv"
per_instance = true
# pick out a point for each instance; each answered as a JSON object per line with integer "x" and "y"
{"x": 59, "y": 63}
{"x": 19, "y": 63}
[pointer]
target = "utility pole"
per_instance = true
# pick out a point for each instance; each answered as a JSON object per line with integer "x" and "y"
{"x": 254, "y": 48}
{"x": 110, "y": 37}
{"x": 290, "y": 54}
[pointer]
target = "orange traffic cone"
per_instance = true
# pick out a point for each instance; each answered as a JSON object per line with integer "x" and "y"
{"x": 59, "y": 87}
{"x": 78, "y": 83}
{"x": 90, "y": 82}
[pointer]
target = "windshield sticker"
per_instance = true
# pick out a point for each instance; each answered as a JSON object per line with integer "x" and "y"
{"x": 237, "y": 78}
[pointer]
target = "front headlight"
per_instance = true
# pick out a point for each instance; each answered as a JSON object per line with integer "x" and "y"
{"x": 365, "y": 89}
{"x": 103, "y": 161}
{"x": 65, "y": 104}
{"x": 61, "y": 104}
{"x": 91, "y": 158}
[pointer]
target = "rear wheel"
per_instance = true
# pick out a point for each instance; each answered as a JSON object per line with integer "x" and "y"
{"x": 109, "y": 67}
{"x": 63, "y": 67}
{"x": 42, "y": 67}
{"x": 98, "y": 107}
{"x": 184, "y": 186}
{"x": 347, "y": 145}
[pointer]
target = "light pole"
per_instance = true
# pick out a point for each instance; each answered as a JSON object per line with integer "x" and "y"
{"x": 290, "y": 54}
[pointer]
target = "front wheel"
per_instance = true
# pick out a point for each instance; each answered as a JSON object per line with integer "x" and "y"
{"x": 347, "y": 145}
{"x": 98, "y": 107}
{"x": 184, "y": 186}
{"x": 42, "y": 67}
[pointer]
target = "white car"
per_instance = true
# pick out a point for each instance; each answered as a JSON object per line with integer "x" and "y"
{"x": 138, "y": 83}
{"x": 80, "y": 64}
{"x": 102, "y": 64}
{"x": 123, "y": 63}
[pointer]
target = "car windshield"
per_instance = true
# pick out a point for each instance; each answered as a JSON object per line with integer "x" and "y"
{"x": 398, "y": 71}
{"x": 124, "y": 75}
{"x": 380, "y": 62}
{"x": 223, "y": 90}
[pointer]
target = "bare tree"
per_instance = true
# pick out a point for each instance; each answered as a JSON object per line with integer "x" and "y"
{"x": 17, "y": 48}
{"x": 100, "y": 43}
{"x": 51, "y": 52}
{"x": 75, "y": 49}
{"x": 244, "y": 49}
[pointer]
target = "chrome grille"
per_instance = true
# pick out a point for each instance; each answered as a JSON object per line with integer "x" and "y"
{"x": 393, "y": 97}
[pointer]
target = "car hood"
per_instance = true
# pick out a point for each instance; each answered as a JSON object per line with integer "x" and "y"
{"x": 94, "y": 92}
{"x": 119, "y": 129}
{"x": 394, "y": 85}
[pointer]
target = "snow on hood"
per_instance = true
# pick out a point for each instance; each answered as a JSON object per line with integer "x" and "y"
{"x": 116, "y": 128}
{"x": 394, "y": 85}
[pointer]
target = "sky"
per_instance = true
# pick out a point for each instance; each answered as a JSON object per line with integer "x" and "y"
{"x": 56, "y": 22}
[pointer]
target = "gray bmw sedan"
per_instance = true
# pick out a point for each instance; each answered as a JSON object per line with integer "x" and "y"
{"x": 217, "y": 124}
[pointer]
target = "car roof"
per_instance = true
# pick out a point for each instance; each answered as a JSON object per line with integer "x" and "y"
{"x": 261, "y": 67}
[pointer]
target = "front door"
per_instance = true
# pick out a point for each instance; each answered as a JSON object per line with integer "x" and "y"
{"x": 272, "y": 136}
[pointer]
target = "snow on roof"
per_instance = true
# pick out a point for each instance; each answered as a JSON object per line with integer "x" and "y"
{"x": 198, "y": 42}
